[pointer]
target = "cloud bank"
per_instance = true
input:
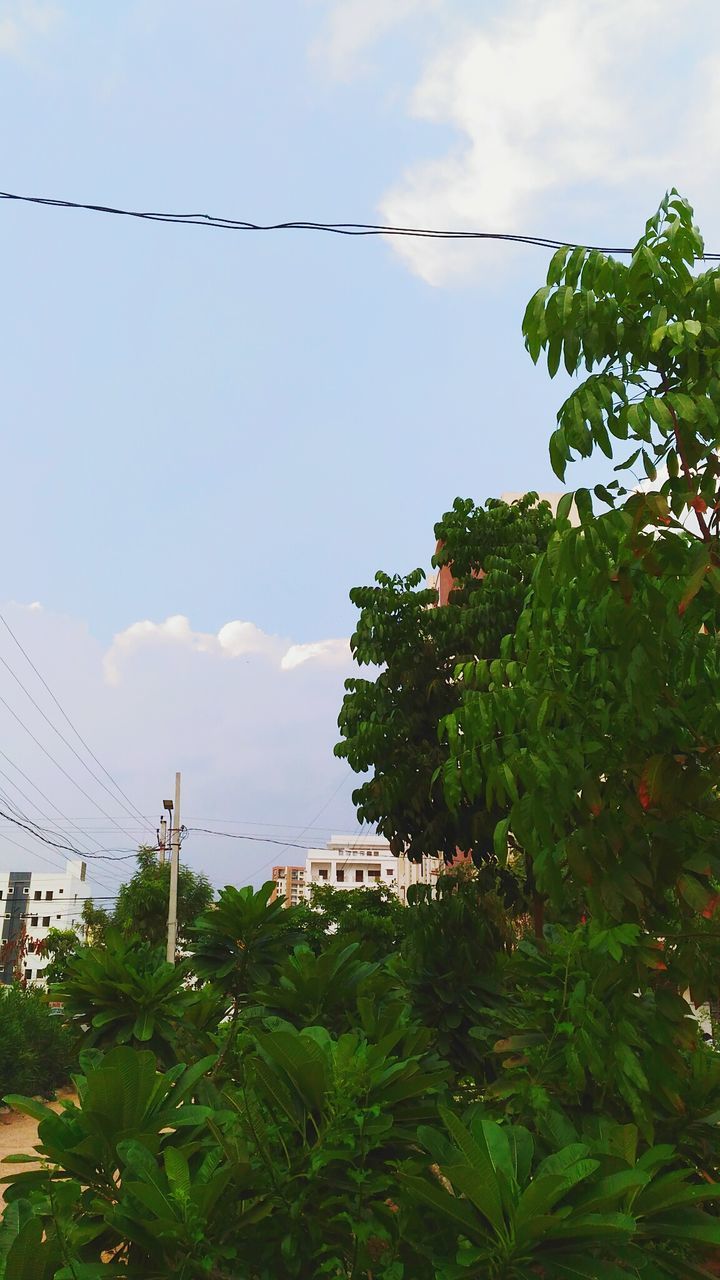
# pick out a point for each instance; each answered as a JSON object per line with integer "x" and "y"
{"x": 554, "y": 117}
{"x": 249, "y": 718}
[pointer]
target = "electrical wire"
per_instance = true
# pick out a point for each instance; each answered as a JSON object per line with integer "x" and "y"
{"x": 57, "y": 764}
{"x": 69, "y": 821}
{"x": 106, "y": 856}
{"x": 234, "y": 835}
{"x": 78, "y": 735}
{"x": 244, "y": 822}
{"x": 63, "y": 739}
{"x": 333, "y": 228}
{"x": 51, "y": 863}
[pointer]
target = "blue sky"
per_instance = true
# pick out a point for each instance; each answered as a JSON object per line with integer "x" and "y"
{"x": 240, "y": 428}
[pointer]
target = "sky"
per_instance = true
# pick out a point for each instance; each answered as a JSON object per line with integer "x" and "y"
{"x": 210, "y": 437}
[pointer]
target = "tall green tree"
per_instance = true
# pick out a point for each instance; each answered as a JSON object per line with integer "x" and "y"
{"x": 389, "y": 723}
{"x": 598, "y": 729}
{"x": 373, "y": 914}
{"x": 96, "y": 922}
{"x": 142, "y": 903}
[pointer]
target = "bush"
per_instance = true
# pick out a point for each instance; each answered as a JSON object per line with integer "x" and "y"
{"x": 37, "y": 1050}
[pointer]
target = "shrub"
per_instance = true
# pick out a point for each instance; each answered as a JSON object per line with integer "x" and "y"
{"x": 36, "y": 1049}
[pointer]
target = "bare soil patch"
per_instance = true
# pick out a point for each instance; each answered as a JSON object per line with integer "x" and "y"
{"x": 18, "y": 1134}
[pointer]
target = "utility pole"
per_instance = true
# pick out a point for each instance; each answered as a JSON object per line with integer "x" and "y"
{"x": 162, "y": 840}
{"x": 174, "y": 867}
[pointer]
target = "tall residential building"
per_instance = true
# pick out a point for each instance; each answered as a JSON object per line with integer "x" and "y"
{"x": 289, "y": 884}
{"x": 354, "y": 862}
{"x": 31, "y": 904}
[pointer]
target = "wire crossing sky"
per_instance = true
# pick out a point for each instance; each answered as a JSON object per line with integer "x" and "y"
{"x": 337, "y": 228}
{"x": 210, "y": 439}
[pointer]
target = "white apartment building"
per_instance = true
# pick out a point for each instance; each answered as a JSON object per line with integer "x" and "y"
{"x": 354, "y": 862}
{"x": 31, "y": 904}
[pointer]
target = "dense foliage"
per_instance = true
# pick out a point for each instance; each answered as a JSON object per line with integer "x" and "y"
{"x": 37, "y": 1049}
{"x": 390, "y": 723}
{"x": 372, "y": 913}
{"x": 474, "y": 1092}
{"x": 597, "y": 730}
{"x": 142, "y": 903}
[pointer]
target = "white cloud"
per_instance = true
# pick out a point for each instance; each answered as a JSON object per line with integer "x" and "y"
{"x": 329, "y": 652}
{"x": 353, "y": 26}
{"x": 249, "y": 718}
{"x": 560, "y": 109}
{"x": 22, "y": 22}
{"x": 233, "y": 640}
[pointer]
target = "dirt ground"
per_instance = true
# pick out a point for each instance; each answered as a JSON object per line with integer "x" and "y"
{"x": 18, "y": 1133}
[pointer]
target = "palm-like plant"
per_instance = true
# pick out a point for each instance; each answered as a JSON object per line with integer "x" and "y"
{"x": 308, "y": 990}
{"x": 584, "y": 1213}
{"x": 236, "y": 945}
{"x": 126, "y": 993}
{"x": 121, "y": 1176}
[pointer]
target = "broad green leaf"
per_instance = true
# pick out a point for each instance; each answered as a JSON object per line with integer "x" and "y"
{"x": 455, "y": 1211}
{"x": 144, "y": 1026}
{"x": 475, "y": 1151}
{"x": 557, "y": 265}
{"x": 177, "y": 1169}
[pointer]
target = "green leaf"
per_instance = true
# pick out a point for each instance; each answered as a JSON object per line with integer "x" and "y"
{"x": 692, "y": 586}
{"x": 177, "y": 1169}
{"x": 456, "y": 1211}
{"x": 583, "y": 502}
{"x": 629, "y": 462}
{"x": 660, "y": 413}
{"x": 144, "y": 1026}
{"x": 557, "y": 264}
{"x": 500, "y": 840}
{"x": 28, "y": 1257}
{"x": 28, "y": 1106}
{"x": 475, "y": 1150}
{"x": 558, "y": 453}
{"x": 554, "y": 354}
{"x": 564, "y": 507}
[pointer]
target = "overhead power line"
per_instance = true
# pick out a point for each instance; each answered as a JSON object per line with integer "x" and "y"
{"x": 333, "y": 228}
{"x": 51, "y": 862}
{"x": 83, "y": 847}
{"x": 108, "y": 855}
{"x": 132, "y": 810}
{"x": 234, "y": 835}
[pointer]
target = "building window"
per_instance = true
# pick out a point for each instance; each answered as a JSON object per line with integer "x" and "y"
{"x": 33, "y": 922}
{"x": 37, "y": 894}
{"x": 359, "y": 876}
{"x": 340, "y": 875}
{"x": 26, "y": 889}
{"x": 7, "y": 915}
{"x": 389, "y": 872}
{"x": 46, "y": 922}
{"x": 28, "y": 975}
{"x": 58, "y": 916}
{"x": 61, "y": 890}
{"x": 322, "y": 874}
{"x": 373, "y": 873}
{"x": 48, "y": 895}
{"x": 10, "y": 890}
